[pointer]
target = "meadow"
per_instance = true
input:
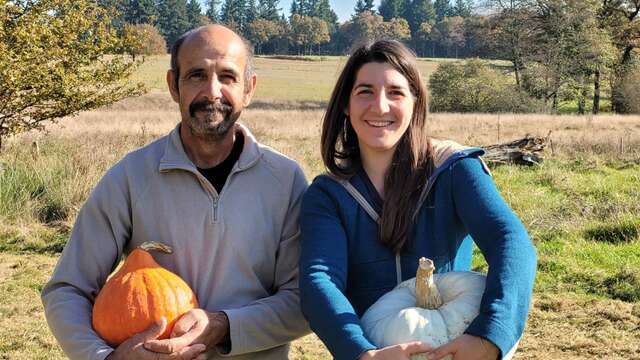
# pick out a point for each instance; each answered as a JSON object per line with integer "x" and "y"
{"x": 580, "y": 205}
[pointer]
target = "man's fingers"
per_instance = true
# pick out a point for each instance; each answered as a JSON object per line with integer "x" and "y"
{"x": 442, "y": 351}
{"x": 153, "y": 331}
{"x": 415, "y": 347}
{"x": 192, "y": 351}
{"x": 169, "y": 346}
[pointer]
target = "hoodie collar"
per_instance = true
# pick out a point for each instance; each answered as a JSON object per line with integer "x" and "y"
{"x": 175, "y": 157}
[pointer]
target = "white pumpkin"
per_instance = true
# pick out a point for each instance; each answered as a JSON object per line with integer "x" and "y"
{"x": 431, "y": 308}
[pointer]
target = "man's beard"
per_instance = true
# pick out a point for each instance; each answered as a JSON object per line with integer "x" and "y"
{"x": 214, "y": 120}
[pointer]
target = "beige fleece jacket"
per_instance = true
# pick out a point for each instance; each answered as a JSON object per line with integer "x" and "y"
{"x": 238, "y": 250}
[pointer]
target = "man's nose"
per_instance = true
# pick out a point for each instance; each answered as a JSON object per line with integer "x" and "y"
{"x": 213, "y": 88}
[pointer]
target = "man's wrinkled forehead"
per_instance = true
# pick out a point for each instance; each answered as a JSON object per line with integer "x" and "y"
{"x": 216, "y": 43}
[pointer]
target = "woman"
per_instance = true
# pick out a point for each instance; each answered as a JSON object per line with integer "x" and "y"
{"x": 433, "y": 198}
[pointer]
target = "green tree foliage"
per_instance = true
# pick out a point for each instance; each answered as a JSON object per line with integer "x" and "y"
{"x": 449, "y": 33}
{"x": 442, "y": 8}
{"x": 362, "y": 6}
{"x": 463, "y": 8}
{"x": 53, "y": 63}
{"x": 263, "y": 31}
{"x": 307, "y": 32}
{"x": 268, "y": 10}
{"x": 140, "y": 11}
{"x": 324, "y": 11}
{"x": 368, "y": 26}
{"x": 419, "y": 12}
{"x": 194, "y": 14}
{"x": 234, "y": 14}
{"x": 213, "y": 10}
{"x": 622, "y": 19}
{"x": 173, "y": 19}
{"x": 142, "y": 40}
{"x": 390, "y": 9}
{"x": 474, "y": 87}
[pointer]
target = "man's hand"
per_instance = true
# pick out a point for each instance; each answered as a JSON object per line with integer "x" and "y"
{"x": 193, "y": 328}
{"x": 466, "y": 347}
{"x": 396, "y": 352}
{"x": 133, "y": 347}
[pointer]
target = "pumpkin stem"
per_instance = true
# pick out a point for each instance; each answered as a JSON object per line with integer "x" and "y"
{"x": 427, "y": 294}
{"x": 152, "y": 245}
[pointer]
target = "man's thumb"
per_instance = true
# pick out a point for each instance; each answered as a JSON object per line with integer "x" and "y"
{"x": 155, "y": 330}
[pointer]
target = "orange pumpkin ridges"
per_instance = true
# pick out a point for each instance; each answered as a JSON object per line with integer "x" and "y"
{"x": 138, "y": 295}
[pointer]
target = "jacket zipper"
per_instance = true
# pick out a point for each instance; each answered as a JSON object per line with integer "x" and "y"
{"x": 215, "y": 209}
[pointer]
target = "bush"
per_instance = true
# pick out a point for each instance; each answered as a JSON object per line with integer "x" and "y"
{"x": 143, "y": 39}
{"x": 473, "y": 86}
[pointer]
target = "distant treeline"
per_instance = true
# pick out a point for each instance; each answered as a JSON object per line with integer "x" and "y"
{"x": 578, "y": 50}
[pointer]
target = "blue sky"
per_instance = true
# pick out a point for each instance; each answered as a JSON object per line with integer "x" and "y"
{"x": 343, "y": 8}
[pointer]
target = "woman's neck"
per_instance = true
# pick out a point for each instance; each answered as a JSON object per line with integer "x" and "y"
{"x": 376, "y": 164}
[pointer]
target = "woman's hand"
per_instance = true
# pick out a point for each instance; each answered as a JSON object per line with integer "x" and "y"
{"x": 466, "y": 347}
{"x": 397, "y": 352}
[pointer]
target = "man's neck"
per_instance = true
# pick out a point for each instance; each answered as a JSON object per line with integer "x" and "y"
{"x": 206, "y": 154}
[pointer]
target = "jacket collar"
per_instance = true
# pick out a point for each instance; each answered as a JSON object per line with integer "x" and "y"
{"x": 175, "y": 157}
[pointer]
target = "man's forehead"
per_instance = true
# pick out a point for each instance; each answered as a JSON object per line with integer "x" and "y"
{"x": 203, "y": 46}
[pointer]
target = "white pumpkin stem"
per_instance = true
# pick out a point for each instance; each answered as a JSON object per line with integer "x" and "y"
{"x": 427, "y": 294}
{"x": 152, "y": 245}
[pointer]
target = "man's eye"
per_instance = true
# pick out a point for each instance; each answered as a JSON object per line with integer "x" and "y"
{"x": 196, "y": 76}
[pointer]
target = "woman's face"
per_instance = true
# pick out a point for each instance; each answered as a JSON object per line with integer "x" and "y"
{"x": 380, "y": 107}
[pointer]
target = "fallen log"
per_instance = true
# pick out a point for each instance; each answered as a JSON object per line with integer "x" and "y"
{"x": 526, "y": 151}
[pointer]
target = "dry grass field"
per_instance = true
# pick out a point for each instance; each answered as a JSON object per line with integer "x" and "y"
{"x": 580, "y": 206}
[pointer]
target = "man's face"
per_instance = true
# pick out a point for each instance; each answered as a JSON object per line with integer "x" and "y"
{"x": 211, "y": 84}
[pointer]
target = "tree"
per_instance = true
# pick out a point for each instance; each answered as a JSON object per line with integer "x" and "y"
{"x": 442, "y": 8}
{"x": 212, "y": 11}
{"x": 194, "y": 14}
{"x": 140, "y": 12}
{"x": 307, "y": 31}
{"x": 233, "y": 14}
{"x": 173, "y": 20}
{"x": 364, "y": 5}
{"x": 390, "y": 9}
{"x": 511, "y": 32}
{"x": 450, "y": 33}
{"x": 268, "y": 10}
{"x": 324, "y": 11}
{"x": 143, "y": 39}
{"x": 463, "y": 8}
{"x": 622, "y": 19}
{"x": 419, "y": 12}
{"x": 53, "y": 64}
{"x": 262, "y": 31}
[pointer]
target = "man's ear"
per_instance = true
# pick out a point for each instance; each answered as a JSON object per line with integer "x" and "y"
{"x": 171, "y": 83}
{"x": 250, "y": 90}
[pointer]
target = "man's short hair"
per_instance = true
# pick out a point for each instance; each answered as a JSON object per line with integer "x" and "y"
{"x": 175, "y": 48}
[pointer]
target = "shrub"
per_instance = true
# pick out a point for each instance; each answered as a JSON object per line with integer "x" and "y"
{"x": 473, "y": 86}
{"x": 143, "y": 39}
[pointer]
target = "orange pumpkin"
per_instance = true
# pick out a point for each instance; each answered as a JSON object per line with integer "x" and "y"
{"x": 138, "y": 295}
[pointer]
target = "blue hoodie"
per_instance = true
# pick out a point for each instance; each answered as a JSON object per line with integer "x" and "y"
{"x": 344, "y": 269}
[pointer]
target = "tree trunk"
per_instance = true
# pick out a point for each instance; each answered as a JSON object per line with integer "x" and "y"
{"x": 582, "y": 97}
{"x": 596, "y": 92}
{"x": 554, "y": 103}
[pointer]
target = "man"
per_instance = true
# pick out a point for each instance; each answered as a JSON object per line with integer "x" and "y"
{"x": 227, "y": 205}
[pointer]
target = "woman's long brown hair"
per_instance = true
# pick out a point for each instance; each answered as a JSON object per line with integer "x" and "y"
{"x": 412, "y": 162}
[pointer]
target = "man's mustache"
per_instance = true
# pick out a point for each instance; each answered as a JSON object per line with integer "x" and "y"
{"x": 204, "y": 105}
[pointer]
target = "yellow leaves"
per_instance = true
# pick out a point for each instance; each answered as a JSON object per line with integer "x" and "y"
{"x": 55, "y": 61}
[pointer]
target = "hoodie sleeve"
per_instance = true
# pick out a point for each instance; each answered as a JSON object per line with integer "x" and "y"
{"x": 506, "y": 246}
{"x": 102, "y": 227}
